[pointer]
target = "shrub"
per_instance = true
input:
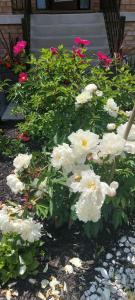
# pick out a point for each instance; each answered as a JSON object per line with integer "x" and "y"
{"x": 47, "y": 97}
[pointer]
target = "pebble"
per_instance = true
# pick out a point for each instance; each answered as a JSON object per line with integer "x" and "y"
{"x": 132, "y": 240}
{"x": 123, "y": 239}
{"x": 103, "y": 272}
{"x": 109, "y": 256}
{"x": 115, "y": 276}
{"x": 93, "y": 297}
{"x": 126, "y": 250}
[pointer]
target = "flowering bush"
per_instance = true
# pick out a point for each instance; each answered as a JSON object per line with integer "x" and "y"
{"x": 57, "y": 80}
{"x": 15, "y": 56}
{"x": 80, "y": 179}
{"x": 19, "y": 243}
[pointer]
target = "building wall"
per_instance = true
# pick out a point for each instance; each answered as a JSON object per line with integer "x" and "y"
{"x": 128, "y": 5}
{"x": 128, "y": 9}
{"x": 5, "y": 7}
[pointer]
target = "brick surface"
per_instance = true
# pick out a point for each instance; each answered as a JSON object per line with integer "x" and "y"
{"x": 14, "y": 30}
{"x": 128, "y": 5}
{"x": 5, "y": 7}
{"x": 129, "y": 41}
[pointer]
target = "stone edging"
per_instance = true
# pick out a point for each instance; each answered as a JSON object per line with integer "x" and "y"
{"x": 130, "y": 16}
{"x": 10, "y": 19}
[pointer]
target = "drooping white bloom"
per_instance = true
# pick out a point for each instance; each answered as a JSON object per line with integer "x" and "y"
{"x": 84, "y": 97}
{"x": 28, "y": 229}
{"x": 111, "y": 126}
{"x": 15, "y": 184}
{"x": 93, "y": 193}
{"x": 22, "y": 161}
{"x": 111, "y": 107}
{"x": 91, "y": 88}
{"x": 111, "y": 144}
{"x": 63, "y": 157}
{"x": 86, "y": 209}
{"x": 122, "y": 128}
{"x": 83, "y": 143}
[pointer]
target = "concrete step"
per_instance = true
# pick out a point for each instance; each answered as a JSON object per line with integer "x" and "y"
{"x": 82, "y": 18}
{"x": 90, "y": 29}
{"x": 9, "y": 116}
{"x": 67, "y": 41}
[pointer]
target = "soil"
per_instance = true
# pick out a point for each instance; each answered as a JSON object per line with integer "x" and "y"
{"x": 60, "y": 246}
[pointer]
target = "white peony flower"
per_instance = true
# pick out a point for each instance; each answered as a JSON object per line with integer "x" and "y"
{"x": 5, "y": 225}
{"x": 83, "y": 143}
{"x": 111, "y": 107}
{"x": 73, "y": 181}
{"x": 22, "y": 162}
{"x": 111, "y": 144}
{"x": 121, "y": 131}
{"x": 62, "y": 157}
{"x": 84, "y": 97}
{"x": 130, "y": 147}
{"x": 86, "y": 209}
{"x": 93, "y": 193}
{"x": 111, "y": 126}
{"x": 28, "y": 229}
{"x": 15, "y": 184}
{"x": 99, "y": 93}
{"x": 91, "y": 88}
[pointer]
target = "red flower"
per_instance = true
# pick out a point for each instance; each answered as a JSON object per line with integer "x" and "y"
{"x": 8, "y": 65}
{"x": 78, "y": 52}
{"x": 23, "y": 137}
{"x": 103, "y": 57}
{"x": 54, "y": 50}
{"x": 19, "y": 47}
{"x": 23, "y": 77}
{"x": 78, "y": 40}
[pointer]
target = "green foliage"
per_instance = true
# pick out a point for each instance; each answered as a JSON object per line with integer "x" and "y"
{"x": 17, "y": 258}
{"x": 10, "y": 147}
{"x": 47, "y": 99}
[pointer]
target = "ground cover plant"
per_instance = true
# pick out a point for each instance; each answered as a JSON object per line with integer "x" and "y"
{"x": 82, "y": 115}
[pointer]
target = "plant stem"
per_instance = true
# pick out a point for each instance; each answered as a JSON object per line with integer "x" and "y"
{"x": 130, "y": 123}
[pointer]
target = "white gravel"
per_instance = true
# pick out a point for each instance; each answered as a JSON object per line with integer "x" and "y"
{"x": 116, "y": 275}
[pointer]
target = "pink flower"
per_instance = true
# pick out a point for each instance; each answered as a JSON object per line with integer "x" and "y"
{"x": 23, "y": 77}
{"x": 78, "y": 40}
{"x": 19, "y": 47}
{"x": 103, "y": 57}
{"x": 23, "y": 137}
{"x": 54, "y": 50}
{"x": 78, "y": 52}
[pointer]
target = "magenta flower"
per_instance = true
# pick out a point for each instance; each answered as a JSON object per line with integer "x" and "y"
{"x": 19, "y": 47}
{"x": 54, "y": 50}
{"x": 78, "y": 52}
{"x": 78, "y": 40}
{"x": 103, "y": 57}
{"x": 23, "y": 77}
